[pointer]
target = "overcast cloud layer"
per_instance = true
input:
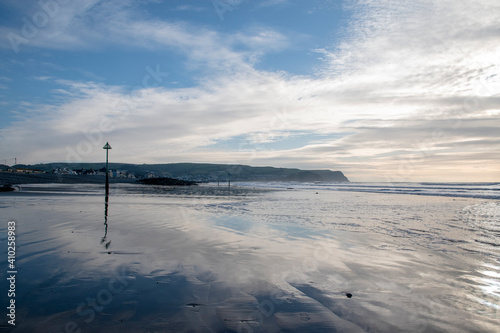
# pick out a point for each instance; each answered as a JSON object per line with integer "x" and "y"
{"x": 408, "y": 90}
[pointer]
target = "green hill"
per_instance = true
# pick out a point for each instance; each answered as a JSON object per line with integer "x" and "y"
{"x": 205, "y": 171}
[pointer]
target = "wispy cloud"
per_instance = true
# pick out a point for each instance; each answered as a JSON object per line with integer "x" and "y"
{"x": 190, "y": 8}
{"x": 412, "y": 91}
{"x": 94, "y": 24}
{"x": 269, "y": 3}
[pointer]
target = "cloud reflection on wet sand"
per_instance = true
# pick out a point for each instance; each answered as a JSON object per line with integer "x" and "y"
{"x": 190, "y": 263}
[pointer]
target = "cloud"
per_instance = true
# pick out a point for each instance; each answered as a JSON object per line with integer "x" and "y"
{"x": 94, "y": 25}
{"x": 433, "y": 61}
{"x": 61, "y": 26}
{"x": 262, "y": 106}
{"x": 189, "y": 8}
{"x": 412, "y": 90}
{"x": 271, "y": 3}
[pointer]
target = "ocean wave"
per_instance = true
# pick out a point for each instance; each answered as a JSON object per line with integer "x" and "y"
{"x": 459, "y": 190}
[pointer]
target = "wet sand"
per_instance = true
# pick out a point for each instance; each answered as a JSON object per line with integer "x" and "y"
{"x": 211, "y": 259}
{"x": 13, "y": 178}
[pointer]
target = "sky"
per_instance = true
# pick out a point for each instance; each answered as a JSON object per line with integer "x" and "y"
{"x": 386, "y": 90}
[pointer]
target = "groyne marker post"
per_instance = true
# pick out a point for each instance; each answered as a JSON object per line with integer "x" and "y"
{"x": 107, "y": 147}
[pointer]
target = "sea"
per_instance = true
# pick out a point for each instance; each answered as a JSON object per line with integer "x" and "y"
{"x": 251, "y": 257}
{"x": 460, "y": 190}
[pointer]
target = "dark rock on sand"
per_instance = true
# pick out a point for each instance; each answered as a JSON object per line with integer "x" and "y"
{"x": 6, "y": 188}
{"x": 166, "y": 181}
{"x": 194, "y": 304}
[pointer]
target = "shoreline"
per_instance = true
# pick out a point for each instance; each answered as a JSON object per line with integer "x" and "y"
{"x": 11, "y": 178}
{"x": 131, "y": 189}
{"x": 485, "y": 191}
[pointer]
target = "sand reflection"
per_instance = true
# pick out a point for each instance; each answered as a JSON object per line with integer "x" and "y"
{"x": 104, "y": 239}
{"x": 231, "y": 263}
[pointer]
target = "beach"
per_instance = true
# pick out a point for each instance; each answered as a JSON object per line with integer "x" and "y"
{"x": 249, "y": 259}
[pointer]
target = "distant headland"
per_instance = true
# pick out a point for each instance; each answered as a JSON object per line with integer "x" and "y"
{"x": 124, "y": 172}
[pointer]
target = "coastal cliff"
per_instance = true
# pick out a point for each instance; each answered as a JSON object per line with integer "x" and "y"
{"x": 196, "y": 172}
